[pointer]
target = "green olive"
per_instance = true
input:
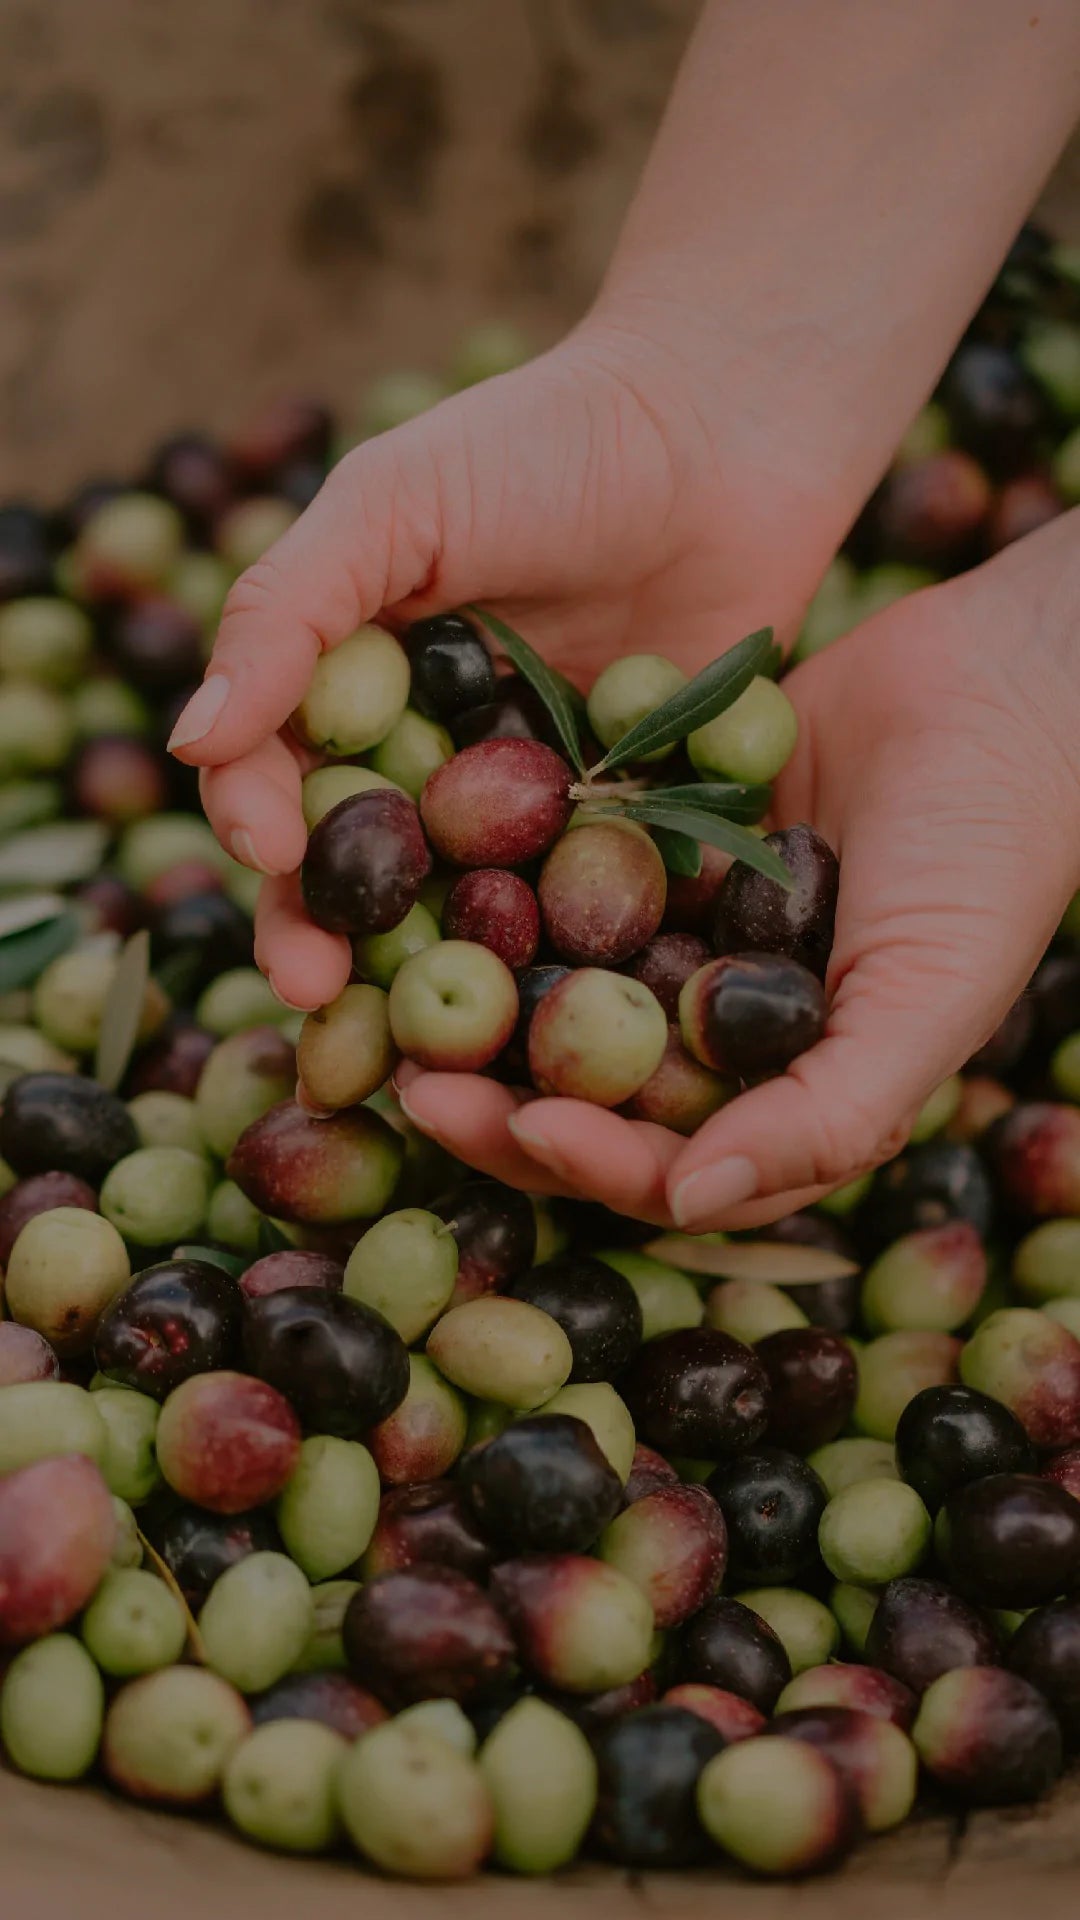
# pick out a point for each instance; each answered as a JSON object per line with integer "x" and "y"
{"x": 412, "y": 751}
{"x": 237, "y": 1000}
{"x": 752, "y": 740}
{"x": 378, "y": 956}
{"x": 69, "y": 999}
{"x": 356, "y": 692}
{"x": 44, "y": 639}
{"x": 167, "y": 1120}
{"x": 327, "y": 786}
{"x": 157, "y": 1195}
{"x": 63, "y": 1271}
{"x": 541, "y": 1776}
{"x": 502, "y": 1349}
{"x": 51, "y": 1709}
{"x": 405, "y": 1266}
{"x": 327, "y": 1512}
{"x": 280, "y": 1785}
{"x": 809, "y": 1631}
{"x": 346, "y": 1052}
{"x": 626, "y": 691}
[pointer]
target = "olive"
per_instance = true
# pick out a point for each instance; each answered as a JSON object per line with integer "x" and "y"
{"x": 428, "y": 1524}
{"x": 813, "y": 1382}
{"x": 532, "y": 985}
{"x": 772, "y": 1502}
{"x": 60, "y": 1122}
{"x": 542, "y": 1486}
{"x": 728, "y": 1645}
{"x": 996, "y": 410}
{"x": 751, "y": 1014}
{"x": 426, "y": 1633}
{"x": 452, "y": 671}
{"x": 157, "y": 644}
{"x": 494, "y": 1228}
{"x": 173, "y": 1063}
{"x": 196, "y": 938}
{"x": 697, "y": 1392}
{"x": 930, "y": 1184}
{"x": 25, "y": 558}
{"x": 331, "y": 1698}
{"x": 39, "y": 1194}
{"x": 1011, "y": 1540}
{"x": 365, "y": 863}
{"x": 649, "y": 1764}
{"x": 192, "y": 471}
{"x": 920, "y": 1629}
{"x": 340, "y": 1364}
{"x": 175, "y": 1319}
{"x": 595, "y": 1306}
{"x": 989, "y": 1737}
{"x": 514, "y": 713}
{"x": 948, "y": 1436}
{"x": 755, "y": 914}
{"x": 1045, "y": 1650}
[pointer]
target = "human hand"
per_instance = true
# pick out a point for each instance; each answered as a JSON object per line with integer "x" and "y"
{"x": 938, "y": 755}
{"x": 598, "y": 496}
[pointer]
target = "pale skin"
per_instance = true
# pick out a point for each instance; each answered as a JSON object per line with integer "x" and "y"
{"x": 828, "y": 199}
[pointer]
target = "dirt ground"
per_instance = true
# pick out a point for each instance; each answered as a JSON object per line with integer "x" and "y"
{"x": 205, "y": 202}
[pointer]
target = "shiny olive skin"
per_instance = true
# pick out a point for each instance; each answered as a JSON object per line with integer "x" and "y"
{"x": 175, "y": 1319}
{"x": 752, "y": 1014}
{"x": 198, "y": 1546}
{"x": 173, "y": 1063}
{"x": 198, "y": 937}
{"x": 340, "y": 1364}
{"x": 649, "y": 1764}
{"x": 1011, "y": 1540}
{"x": 813, "y": 1382}
{"x": 541, "y": 1486}
{"x": 60, "y": 1122}
{"x": 427, "y": 1633}
{"x": 40, "y": 1193}
{"x": 597, "y": 1309}
{"x": 772, "y": 1502}
{"x": 948, "y": 1436}
{"x": 697, "y": 1392}
{"x": 333, "y": 1699}
{"x": 452, "y": 670}
{"x": 728, "y": 1645}
{"x": 365, "y": 863}
{"x": 665, "y": 964}
{"x": 922, "y": 1629}
{"x": 532, "y": 985}
{"x": 755, "y": 915}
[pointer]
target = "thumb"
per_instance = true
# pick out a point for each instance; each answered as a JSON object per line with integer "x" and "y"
{"x": 374, "y": 537}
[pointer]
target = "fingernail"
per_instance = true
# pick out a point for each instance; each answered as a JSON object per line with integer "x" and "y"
{"x": 703, "y": 1196}
{"x": 537, "y": 1142}
{"x": 293, "y": 1005}
{"x": 417, "y": 1120}
{"x": 242, "y": 847}
{"x": 201, "y": 711}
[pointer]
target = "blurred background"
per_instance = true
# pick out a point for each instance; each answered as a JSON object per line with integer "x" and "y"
{"x": 206, "y": 204}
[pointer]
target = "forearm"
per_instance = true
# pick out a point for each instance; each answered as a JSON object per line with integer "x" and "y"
{"x": 832, "y": 190}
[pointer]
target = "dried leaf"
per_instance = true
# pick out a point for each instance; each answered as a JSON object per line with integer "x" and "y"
{"x": 778, "y": 1262}
{"x": 122, "y": 1011}
{"x": 165, "y": 1573}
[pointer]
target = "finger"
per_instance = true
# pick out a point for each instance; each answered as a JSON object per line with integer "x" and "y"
{"x": 370, "y": 538}
{"x": 254, "y": 807}
{"x": 470, "y": 1116}
{"x": 624, "y": 1164}
{"x": 306, "y": 966}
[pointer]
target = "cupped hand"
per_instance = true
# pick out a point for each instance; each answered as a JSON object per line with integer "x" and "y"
{"x": 938, "y": 756}
{"x": 597, "y": 498}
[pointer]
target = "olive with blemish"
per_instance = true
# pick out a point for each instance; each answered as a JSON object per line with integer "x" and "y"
{"x": 989, "y": 1737}
{"x": 1011, "y": 1540}
{"x": 176, "y": 1319}
{"x": 921, "y": 1629}
{"x": 730, "y": 1646}
{"x": 756, "y": 915}
{"x": 752, "y": 1014}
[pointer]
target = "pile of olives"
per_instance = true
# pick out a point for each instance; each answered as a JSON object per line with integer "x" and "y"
{"x": 385, "y": 1508}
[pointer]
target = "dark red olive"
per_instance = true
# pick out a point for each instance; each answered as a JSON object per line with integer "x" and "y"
{"x": 1045, "y": 1650}
{"x": 495, "y": 1230}
{"x": 691, "y": 903}
{"x": 428, "y": 1524}
{"x": 291, "y": 1267}
{"x": 61, "y": 1123}
{"x": 813, "y": 1383}
{"x": 595, "y": 1306}
{"x": 697, "y": 1392}
{"x": 39, "y": 1194}
{"x": 192, "y": 471}
{"x": 173, "y": 1063}
{"x": 592, "y": 1712}
{"x": 198, "y": 1546}
{"x": 649, "y": 1471}
{"x": 665, "y": 964}
{"x": 157, "y": 644}
{"x": 1011, "y": 1540}
{"x": 544, "y": 1485}
{"x": 176, "y": 1319}
{"x": 989, "y": 1737}
{"x": 728, "y": 1645}
{"x": 426, "y": 1633}
{"x": 922, "y": 1629}
{"x": 772, "y": 1502}
{"x": 333, "y": 1699}
{"x": 752, "y": 1014}
{"x": 1034, "y": 1150}
{"x": 365, "y": 863}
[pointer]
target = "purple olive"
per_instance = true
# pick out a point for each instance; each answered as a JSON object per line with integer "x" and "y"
{"x": 595, "y": 1306}
{"x": 921, "y": 1629}
{"x": 430, "y": 1524}
{"x": 755, "y": 915}
{"x": 772, "y": 1502}
{"x": 665, "y": 964}
{"x": 291, "y": 1267}
{"x": 426, "y": 1633}
{"x": 752, "y": 1014}
{"x": 365, "y": 863}
{"x": 1011, "y": 1540}
{"x": 648, "y": 1767}
{"x": 59, "y": 1122}
{"x": 495, "y": 1231}
{"x": 40, "y": 1193}
{"x": 176, "y": 1319}
{"x": 697, "y": 1392}
{"x": 1045, "y": 1651}
{"x": 340, "y": 1364}
{"x": 728, "y": 1645}
{"x": 198, "y": 1546}
{"x": 542, "y": 1486}
{"x": 813, "y": 1383}
{"x": 331, "y": 1698}
{"x": 989, "y": 1737}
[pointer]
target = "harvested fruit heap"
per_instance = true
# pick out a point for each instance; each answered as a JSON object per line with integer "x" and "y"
{"x": 374, "y": 1503}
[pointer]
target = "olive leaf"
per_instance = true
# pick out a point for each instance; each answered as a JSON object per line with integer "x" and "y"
{"x": 233, "y": 1264}
{"x": 563, "y": 701}
{"x": 57, "y": 855}
{"x": 711, "y": 691}
{"x": 26, "y": 951}
{"x": 727, "y": 798}
{"x": 708, "y": 827}
{"x": 122, "y": 1011}
{"x": 779, "y": 1263}
{"x": 679, "y": 853}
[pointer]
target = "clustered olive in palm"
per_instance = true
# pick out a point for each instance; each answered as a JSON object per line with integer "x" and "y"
{"x": 505, "y": 1529}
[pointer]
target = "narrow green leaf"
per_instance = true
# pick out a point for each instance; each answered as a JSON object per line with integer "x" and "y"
{"x": 231, "y": 1263}
{"x": 563, "y": 701}
{"x": 716, "y": 687}
{"x": 122, "y": 1011}
{"x": 728, "y": 799}
{"x": 271, "y": 1239}
{"x": 26, "y": 953}
{"x": 679, "y": 853}
{"x": 718, "y": 833}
